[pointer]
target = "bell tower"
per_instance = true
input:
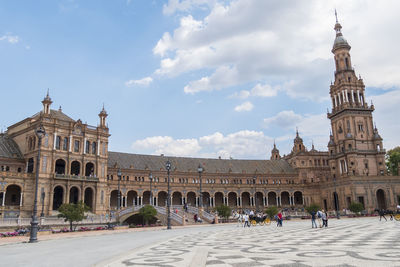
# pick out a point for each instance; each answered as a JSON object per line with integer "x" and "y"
{"x": 355, "y": 146}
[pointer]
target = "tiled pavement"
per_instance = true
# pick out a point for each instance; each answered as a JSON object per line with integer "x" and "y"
{"x": 347, "y": 242}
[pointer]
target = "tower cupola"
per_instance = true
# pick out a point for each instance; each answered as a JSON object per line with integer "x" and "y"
{"x": 103, "y": 115}
{"x": 275, "y": 153}
{"x": 46, "y": 104}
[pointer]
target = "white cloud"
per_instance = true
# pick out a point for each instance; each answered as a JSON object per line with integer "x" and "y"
{"x": 242, "y": 144}
{"x": 246, "y": 106}
{"x": 174, "y": 6}
{"x": 386, "y": 117}
{"x": 142, "y": 82}
{"x": 279, "y": 42}
{"x": 12, "y": 39}
{"x": 259, "y": 90}
{"x": 284, "y": 119}
{"x": 312, "y": 127}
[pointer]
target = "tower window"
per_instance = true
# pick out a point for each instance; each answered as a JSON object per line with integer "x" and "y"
{"x": 360, "y": 128}
{"x": 65, "y": 144}
{"x": 58, "y": 141}
{"x": 76, "y": 146}
{"x": 347, "y": 63}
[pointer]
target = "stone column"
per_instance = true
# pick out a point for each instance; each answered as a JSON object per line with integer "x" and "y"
{"x": 4, "y": 198}
{"x": 277, "y": 201}
{"x": 156, "y": 198}
{"x": 20, "y": 200}
{"x": 241, "y": 202}
{"x": 197, "y": 201}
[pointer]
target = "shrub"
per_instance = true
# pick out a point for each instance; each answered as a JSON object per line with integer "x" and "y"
{"x": 148, "y": 212}
{"x": 313, "y": 208}
{"x": 224, "y": 211}
{"x": 356, "y": 207}
{"x": 271, "y": 211}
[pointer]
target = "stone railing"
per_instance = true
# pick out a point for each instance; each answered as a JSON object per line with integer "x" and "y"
{"x": 76, "y": 177}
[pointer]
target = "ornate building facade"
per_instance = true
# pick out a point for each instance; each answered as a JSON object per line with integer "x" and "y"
{"x": 75, "y": 164}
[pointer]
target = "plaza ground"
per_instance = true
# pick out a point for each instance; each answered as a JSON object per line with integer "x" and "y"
{"x": 347, "y": 242}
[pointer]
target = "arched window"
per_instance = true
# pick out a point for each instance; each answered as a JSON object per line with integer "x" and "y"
{"x": 347, "y": 63}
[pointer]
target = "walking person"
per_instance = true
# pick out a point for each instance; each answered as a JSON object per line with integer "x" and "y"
{"x": 246, "y": 220}
{"x": 313, "y": 223}
{"x": 280, "y": 218}
{"x": 319, "y": 218}
{"x": 324, "y": 217}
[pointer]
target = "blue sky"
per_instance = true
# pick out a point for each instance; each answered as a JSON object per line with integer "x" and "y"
{"x": 201, "y": 78}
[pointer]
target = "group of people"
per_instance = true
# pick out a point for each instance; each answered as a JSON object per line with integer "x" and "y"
{"x": 321, "y": 216}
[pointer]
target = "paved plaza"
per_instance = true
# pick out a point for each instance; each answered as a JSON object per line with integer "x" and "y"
{"x": 347, "y": 242}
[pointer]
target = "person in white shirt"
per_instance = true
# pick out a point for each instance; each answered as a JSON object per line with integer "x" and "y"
{"x": 246, "y": 220}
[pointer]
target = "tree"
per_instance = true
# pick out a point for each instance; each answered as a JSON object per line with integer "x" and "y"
{"x": 73, "y": 212}
{"x": 147, "y": 212}
{"x": 393, "y": 160}
{"x": 271, "y": 211}
{"x": 224, "y": 211}
{"x": 356, "y": 207}
{"x": 313, "y": 208}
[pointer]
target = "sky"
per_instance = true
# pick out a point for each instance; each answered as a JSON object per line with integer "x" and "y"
{"x": 197, "y": 78}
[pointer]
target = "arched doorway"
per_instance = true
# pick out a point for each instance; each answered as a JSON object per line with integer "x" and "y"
{"x": 219, "y": 199}
{"x": 245, "y": 199}
{"x": 75, "y": 168}
{"x": 114, "y": 199}
{"x": 272, "y": 199}
{"x": 89, "y": 169}
{"x": 191, "y": 199}
{"x": 162, "y": 198}
{"x": 259, "y": 200}
{"x": 58, "y": 197}
{"x": 381, "y": 200}
{"x": 131, "y": 198}
{"x": 177, "y": 198}
{"x": 335, "y": 201}
{"x": 60, "y": 166}
{"x": 298, "y": 198}
{"x": 285, "y": 201}
{"x": 13, "y": 195}
{"x": 89, "y": 198}
{"x": 206, "y": 199}
{"x": 146, "y": 198}
{"x": 74, "y": 195}
{"x": 232, "y": 199}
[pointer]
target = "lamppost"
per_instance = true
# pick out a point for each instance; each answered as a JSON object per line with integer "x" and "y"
{"x": 119, "y": 193}
{"x": 43, "y": 196}
{"x": 255, "y": 192}
{"x": 335, "y": 195}
{"x": 168, "y": 167}
{"x": 200, "y": 170}
{"x": 40, "y": 132}
{"x": 151, "y": 192}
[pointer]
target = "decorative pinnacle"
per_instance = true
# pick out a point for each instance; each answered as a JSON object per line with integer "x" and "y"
{"x": 336, "y": 16}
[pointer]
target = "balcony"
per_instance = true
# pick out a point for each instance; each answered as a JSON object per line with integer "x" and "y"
{"x": 76, "y": 177}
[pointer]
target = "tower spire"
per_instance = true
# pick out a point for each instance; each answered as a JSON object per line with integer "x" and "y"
{"x": 336, "y": 16}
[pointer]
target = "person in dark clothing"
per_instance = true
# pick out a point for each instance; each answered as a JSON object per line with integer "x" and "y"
{"x": 382, "y": 214}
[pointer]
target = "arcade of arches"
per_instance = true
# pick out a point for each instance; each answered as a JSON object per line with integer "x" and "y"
{"x": 233, "y": 199}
